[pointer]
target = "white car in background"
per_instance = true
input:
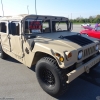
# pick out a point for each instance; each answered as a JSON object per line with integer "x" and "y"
{"x": 86, "y": 24}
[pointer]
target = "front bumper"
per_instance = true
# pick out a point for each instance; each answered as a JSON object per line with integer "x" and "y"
{"x": 83, "y": 68}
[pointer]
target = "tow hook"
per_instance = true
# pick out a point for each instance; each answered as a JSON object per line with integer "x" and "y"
{"x": 87, "y": 69}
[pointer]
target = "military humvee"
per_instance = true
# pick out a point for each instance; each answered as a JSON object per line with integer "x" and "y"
{"x": 59, "y": 55}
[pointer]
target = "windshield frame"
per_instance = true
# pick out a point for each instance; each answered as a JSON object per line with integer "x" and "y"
{"x": 44, "y": 19}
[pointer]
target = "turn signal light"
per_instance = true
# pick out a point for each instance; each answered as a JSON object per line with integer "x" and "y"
{"x": 61, "y": 59}
{"x": 69, "y": 55}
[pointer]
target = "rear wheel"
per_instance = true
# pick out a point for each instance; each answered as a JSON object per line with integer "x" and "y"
{"x": 51, "y": 78}
{"x": 3, "y": 55}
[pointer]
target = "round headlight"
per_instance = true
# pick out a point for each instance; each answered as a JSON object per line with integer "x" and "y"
{"x": 80, "y": 55}
{"x": 97, "y": 47}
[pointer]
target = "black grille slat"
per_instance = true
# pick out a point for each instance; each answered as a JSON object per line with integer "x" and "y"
{"x": 88, "y": 51}
{"x": 82, "y": 41}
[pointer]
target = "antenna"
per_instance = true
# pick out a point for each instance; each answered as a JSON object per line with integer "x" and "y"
{"x": 35, "y": 8}
{"x": 71, "y": 16}
{"x": 2, "y": 8}
{"x": 27, "y": 9}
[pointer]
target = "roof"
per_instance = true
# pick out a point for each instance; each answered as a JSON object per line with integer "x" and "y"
{"x": 24, "y": 16}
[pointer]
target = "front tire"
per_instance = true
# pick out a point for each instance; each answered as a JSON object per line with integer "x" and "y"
{"x": 51, "y": 78}
{"x": 3, "y": 55}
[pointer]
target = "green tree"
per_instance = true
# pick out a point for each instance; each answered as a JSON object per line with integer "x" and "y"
{"x": 91, "y": 19}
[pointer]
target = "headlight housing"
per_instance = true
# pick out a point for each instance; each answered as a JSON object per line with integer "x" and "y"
{"x": 68, "y": 55}
{"x": 97, "y": 47}
{"x": 80, "y": 55}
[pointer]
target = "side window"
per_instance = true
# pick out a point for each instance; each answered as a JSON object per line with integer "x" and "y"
{"x": 46, "y": 26}
{"x": 3, "y": 27}
{"x": 14, "y": 28}
{"x": 27, "y": 27}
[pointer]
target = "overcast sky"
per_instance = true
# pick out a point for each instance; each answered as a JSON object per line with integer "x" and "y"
{"x": 67, "y": 8}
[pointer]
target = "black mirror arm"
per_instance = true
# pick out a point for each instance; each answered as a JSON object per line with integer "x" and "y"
{"x": 70, "y": 28}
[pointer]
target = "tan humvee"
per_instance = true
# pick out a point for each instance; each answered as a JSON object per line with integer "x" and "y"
{"x": 60, "y": 55}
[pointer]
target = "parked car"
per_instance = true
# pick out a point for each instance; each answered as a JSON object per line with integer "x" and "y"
{"x": 86, "y": 24}
{"x": 47, "y": 43}
{"x": 93, "y": 32}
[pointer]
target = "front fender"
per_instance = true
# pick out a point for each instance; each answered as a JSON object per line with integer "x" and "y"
{"x": 40, "y": 48}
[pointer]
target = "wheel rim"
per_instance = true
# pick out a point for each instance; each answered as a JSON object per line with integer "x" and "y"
{"x": 47, "y": 77}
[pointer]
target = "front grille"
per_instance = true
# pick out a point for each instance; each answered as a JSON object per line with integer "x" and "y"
{"x": 82, "y": 41}
{"x": 88, "y": 51}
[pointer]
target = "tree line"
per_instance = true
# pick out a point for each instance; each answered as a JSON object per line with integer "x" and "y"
{"x": 91, "y": 19}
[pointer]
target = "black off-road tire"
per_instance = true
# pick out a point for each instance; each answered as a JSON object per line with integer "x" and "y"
{"x": 51, "y": 78}
{"x": 3, "y": 55}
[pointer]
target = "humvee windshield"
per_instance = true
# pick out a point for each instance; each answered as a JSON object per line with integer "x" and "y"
{"x": 47, "y": 26}
{"x": 59, "y": 26}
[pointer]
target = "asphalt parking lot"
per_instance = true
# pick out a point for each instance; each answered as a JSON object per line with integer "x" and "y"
{"x": 17, "y": 82}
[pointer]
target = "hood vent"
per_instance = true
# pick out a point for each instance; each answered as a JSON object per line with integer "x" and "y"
{"x": 82, "y": 41}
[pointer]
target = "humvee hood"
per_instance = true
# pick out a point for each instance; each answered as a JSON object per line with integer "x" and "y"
{"x": 62, "y": 40}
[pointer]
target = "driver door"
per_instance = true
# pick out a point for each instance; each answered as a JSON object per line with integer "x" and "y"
{"x": 15, "y": 38}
